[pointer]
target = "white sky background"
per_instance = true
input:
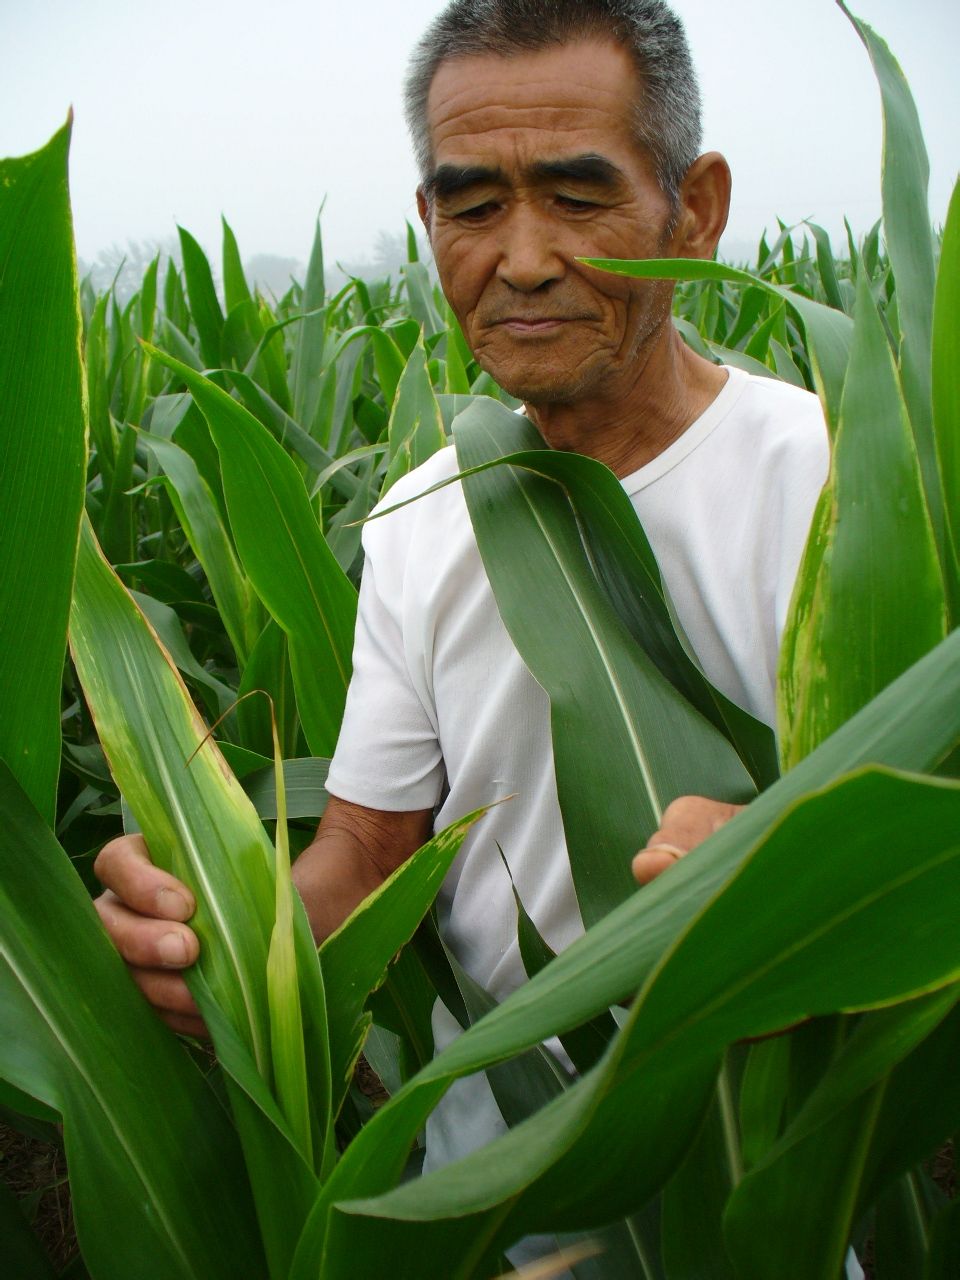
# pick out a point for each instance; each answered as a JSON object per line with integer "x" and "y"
{"x": 187, "y": 109}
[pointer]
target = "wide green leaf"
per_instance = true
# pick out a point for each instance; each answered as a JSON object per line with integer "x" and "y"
{"x": 44, "y": 447}
{"x": 168, "y": 1215}
{"x": 717, "y": 983}
{"x": 911, "y": 725}
{"x": 200, "y": 825}
{"x": 869, "y": 598}
{"x": 601, "y": 684}
{"x": 946, "y": 385}
{"x": 909, "y": 240}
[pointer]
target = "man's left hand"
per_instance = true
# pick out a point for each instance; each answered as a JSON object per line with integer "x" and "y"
{"x": 687, "y": 822}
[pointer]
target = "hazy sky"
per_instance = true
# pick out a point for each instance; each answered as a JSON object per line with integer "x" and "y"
{"x": 260, "y": 110}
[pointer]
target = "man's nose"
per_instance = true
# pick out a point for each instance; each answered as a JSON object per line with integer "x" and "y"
{"x": 529, "y": 254}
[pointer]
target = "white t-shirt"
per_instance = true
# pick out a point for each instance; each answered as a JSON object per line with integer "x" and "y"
{"x": 440, "y": 696}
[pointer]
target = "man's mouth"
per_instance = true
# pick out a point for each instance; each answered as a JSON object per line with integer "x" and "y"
{"x": 534, "y": 324}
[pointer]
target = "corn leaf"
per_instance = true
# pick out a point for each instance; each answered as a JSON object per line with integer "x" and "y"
{"x": 80, "y": 1037}
{"x": 909, "y": 239}
{"x": 416, "y": 431}
{"x": 602, "y": 686}
{"x": 869, "y": 598}
{"x": 310, "y": 339}
{"x": 200, "y": 518}
{"x": 286, "y": 1018}
{"x": 42, "y": 477}
{"x": 717, "y": 983}
{"x": 236, "y": 291}
{"x": 857, "y": 1131}
{"x": 912, "y": 725}
{"x": 285, "y": 556}
{"x": 356, "y": 956}
{"x": 946, "y": 385}
{"x": 204, "y": 303}
{"x": 200, "y": 825}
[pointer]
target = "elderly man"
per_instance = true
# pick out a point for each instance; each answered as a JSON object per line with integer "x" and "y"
{"x": 544, "y": 132}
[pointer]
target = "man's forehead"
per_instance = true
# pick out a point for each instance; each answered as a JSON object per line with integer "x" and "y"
{"x": 585, "y": 83}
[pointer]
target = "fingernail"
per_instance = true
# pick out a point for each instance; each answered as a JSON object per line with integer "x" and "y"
{"x": 172, "y": 949}
{"x": 172, "y": 905}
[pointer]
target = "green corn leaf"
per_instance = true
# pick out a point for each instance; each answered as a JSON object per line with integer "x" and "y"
{"x": 42, "y": 477}
{"x": 283, "y": 989}
{"x": 946, "y": 386}
{"x": 169, "y": 1216}
{"x": 716, "y": 984}
{"x": 870, "y": 586}
{"x": 285, "y": 556}
{"x": 943, "y": 1258}
{"x": 200, "y": 826}
{"x": 149, "y": 729}
{"x": 204, "y": 303}
{"x": 268, "y": 669}
{"x": 166, "y": 624}
{"x": 585, "y": 1045}
{"x": 416, "y": 427}
{"x": 388, "y": 358}
{"x": 235, "y": 288}
{"x": 102, "y": 433}
{"x": 310, "y": 340}
{"x": 117, "y": 522}
{"x": 303, "y": 781}
{"x": 911, "y": 725}
{"x": 828, "y": 332}
{"x": 624, "y": 563}
{"x": 197, "y": 511}
{"x": 827, "y": 267}
{"x": 812, "y": 1186}
{"x": 909, "y": 240}
{"x": 544, "y": 587}
{"x": 693, "y": 1201}
{"x": 356, "y": 956}
{"x": 423, "y": 306}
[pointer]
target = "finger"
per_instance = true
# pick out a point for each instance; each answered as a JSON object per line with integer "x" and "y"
{"x": 124, "y": 867}
{"x": 145, "y": 942}
{"x": 690, "y": 820}
{"x": 167, "y": 992}
{"x": 195, "y": 1027}
{"x": 650, "y": 863}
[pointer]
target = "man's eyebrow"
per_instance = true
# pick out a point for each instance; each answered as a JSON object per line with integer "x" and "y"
{"x": 449, "y": 179}
{"x": 595, "y": 169}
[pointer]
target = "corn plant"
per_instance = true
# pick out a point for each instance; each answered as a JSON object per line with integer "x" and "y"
{"x": 224, "y": 447}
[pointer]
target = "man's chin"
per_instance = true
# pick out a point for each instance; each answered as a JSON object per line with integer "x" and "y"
{"x": 542, "y": 387}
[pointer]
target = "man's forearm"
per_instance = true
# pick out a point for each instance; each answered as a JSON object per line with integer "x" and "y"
{"x": 355, "y": 850}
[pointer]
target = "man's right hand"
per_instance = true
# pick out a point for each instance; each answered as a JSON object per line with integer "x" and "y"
{"x": 143, "y": 911}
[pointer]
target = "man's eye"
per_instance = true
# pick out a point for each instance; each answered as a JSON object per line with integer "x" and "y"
{"x": 573, "y": 205}
{"x": 477, "y": 212}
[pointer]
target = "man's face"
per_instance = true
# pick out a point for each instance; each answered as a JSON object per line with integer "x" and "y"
{"x": 534, "y": 165}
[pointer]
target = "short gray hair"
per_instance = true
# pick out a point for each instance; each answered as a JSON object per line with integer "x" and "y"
{"x": 667, "y": 115}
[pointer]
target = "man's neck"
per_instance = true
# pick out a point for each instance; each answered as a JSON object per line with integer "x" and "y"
{"x": 668, "y": 391}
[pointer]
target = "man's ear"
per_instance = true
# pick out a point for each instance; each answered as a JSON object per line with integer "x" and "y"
{"x": 423, "y": 208}
{"x": 704, "y": 206}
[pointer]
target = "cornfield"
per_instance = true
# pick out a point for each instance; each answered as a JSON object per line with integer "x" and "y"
{"x": 766, "y": 1039}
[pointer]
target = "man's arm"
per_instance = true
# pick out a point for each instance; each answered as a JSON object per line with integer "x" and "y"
{"x": 144, "y": 909}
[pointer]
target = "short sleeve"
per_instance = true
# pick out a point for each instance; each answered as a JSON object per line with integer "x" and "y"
{"x": 388, "y": 756}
